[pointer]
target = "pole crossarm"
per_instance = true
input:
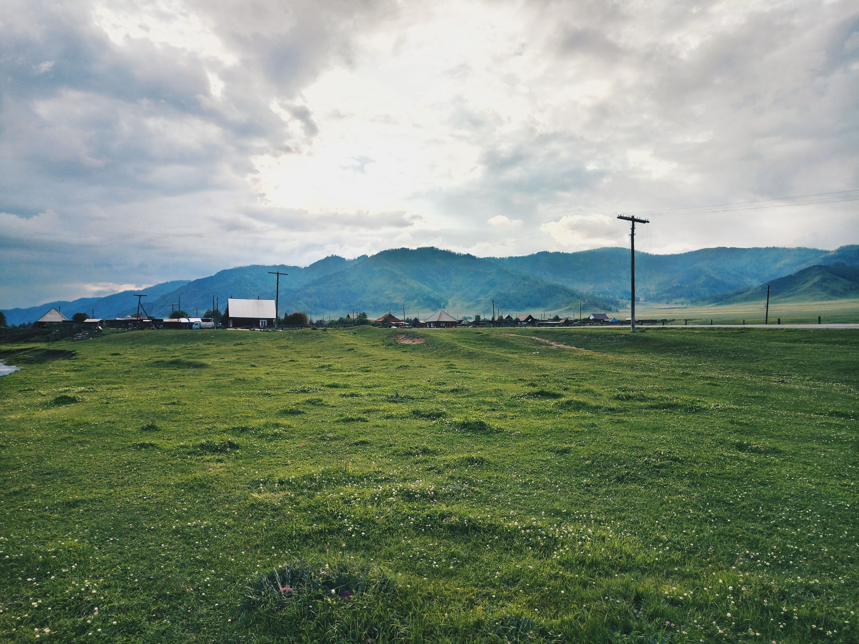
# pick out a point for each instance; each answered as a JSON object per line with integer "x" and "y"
{"x": 634, "y": 219}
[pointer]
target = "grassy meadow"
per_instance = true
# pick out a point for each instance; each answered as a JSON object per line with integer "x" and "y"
{"x": 791, "y": 311}
{"x": 676, "y": 485}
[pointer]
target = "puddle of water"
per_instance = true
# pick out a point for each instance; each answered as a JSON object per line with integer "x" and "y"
{"x": 5, "y": 370}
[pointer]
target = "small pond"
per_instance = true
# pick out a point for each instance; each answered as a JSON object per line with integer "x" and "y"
{"x": 4, "y": 370}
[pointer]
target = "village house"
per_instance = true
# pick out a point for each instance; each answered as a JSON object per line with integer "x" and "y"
{"x": 389, "y": 320}
{"x": 526, "y": 319}
{"x": 441, "y": 320}
{"x": 51, "y": 318}
{"x": 249, "y": 314}
{"x": 599, "y": 317}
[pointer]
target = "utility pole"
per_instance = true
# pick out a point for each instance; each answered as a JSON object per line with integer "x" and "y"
{"x": 633, "y": 221}
{"x": 580, "y": 312}
{"x": 140, "y": 305}
{"x": 196, "y": 311}
{"x": 493, "y": 312}
{"x": 172, "y": 304}
{"x": 277, "y": 294}
{"x": 767, "y": 314}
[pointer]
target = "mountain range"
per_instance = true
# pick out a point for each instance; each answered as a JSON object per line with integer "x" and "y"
{"x": 426, "y": 279}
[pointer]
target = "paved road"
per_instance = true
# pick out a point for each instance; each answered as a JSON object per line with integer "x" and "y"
{"x": 748, "y": 326}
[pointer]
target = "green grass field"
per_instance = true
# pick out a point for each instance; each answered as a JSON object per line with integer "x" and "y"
{"x": 669, "y": 486}
{"x": 844, "y": 311}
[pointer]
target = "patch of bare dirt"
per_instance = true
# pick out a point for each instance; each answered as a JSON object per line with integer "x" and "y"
{"x": 410, "y": 339}
{"x": 556, "y": 345}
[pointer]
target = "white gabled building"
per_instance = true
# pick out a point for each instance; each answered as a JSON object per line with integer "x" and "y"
{"x": 51, "y": 317}
{"x": 249, "y": 314}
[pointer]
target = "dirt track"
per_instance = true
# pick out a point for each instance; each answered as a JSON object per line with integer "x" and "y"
{"x": 556, "y": 345}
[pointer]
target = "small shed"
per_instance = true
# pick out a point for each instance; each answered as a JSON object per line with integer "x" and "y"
{"x": 50, "y": 318}
{"x": 249, "y": 314}
{"x": 441, "y": 320}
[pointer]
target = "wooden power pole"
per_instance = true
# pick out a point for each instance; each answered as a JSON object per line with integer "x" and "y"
{"x": 140, "y": 305}
{"x": 633, "y": 221}
{"x": 277, "y": 294}
{"x": 767, "y": 314}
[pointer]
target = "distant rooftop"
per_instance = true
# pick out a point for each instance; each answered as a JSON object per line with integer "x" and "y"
{"x": 53, "y": 316}
{"x": 253, "y": 309}
{"x": 441, "y": 316}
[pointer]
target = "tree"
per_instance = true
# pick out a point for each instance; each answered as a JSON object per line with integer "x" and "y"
{"x": 295, "y": 319}
{"x": 362, "y": 318}
{"x": 77, "y": 318}
{"x": 477, "y": 319}
{"x": 178, "y": 313}
{"x": 2, "y": 319}
{"x": 214, "y": 315}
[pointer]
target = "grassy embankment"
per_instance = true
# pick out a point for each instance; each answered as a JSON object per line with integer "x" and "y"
{"x": 669, "y": 486}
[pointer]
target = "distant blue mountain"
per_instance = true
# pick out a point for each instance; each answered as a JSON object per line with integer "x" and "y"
{"x": 109, "y": 306}
{"x": 427, "y": 279}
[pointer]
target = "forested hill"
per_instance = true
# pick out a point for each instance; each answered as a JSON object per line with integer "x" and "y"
{"x": 427, "y": 279}
{"x": 815, "y": 283}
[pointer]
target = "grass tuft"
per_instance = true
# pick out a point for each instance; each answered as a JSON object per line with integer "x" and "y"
{"x": 65, "y": 399}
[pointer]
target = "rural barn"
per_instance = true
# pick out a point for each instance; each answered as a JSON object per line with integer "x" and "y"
{"x": 441, "y": 320}
{"x": 249, "y": 314}
{"x": 50, "y": 318}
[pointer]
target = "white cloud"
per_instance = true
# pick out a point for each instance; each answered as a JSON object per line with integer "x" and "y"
{"x": 581, "y": 232}
{"x": 504, "y": 222}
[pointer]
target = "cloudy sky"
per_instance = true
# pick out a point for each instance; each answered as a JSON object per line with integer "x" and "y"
{"x": 146, "y": 141}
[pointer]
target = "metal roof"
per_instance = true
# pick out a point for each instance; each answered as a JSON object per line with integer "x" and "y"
{"x": 389, "y": 317}
{"x": 53, "y": 316}
{"x": 440, "y": 316}
{"x": 254, "y": 309}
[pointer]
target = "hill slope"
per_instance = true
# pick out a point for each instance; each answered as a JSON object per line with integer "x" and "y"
{"x": 815, "y": 283}
{"x": 696, "y": 276}
{"x": 426, "y": 279}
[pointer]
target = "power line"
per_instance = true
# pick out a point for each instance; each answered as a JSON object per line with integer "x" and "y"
{"x": 842, "y": 196}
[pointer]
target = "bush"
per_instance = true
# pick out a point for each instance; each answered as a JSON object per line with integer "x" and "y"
{"x": 77, "y": 318}
{"x": 295, "y": 319}
{"x": 178, "y": 313}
